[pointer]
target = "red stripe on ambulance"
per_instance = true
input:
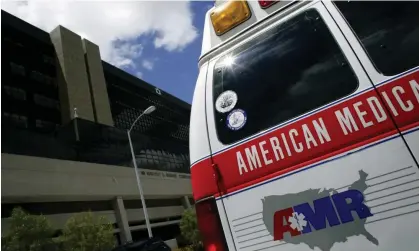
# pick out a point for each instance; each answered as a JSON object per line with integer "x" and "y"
{"x": 350, "y": 124}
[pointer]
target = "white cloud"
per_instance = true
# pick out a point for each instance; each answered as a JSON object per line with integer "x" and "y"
{"x": 147, "y": 64}
{"x": 124, "y": 53}
{"x": 114, "y": 25}
{"x": 139, "y": 74}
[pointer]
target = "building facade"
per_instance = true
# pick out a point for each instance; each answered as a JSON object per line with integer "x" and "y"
{"x": 65, "y": 115}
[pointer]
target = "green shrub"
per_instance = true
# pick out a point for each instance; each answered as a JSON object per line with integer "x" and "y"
{"x": 86, "y": 232}
{"x": 82, "y": 232}
{"x": 27, "y": 233}
{"x": 189, "y": 230}
{"x": 186, "y": 248}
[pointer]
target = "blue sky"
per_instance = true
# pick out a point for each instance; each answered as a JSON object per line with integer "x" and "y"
{"x": 176, "y": 71}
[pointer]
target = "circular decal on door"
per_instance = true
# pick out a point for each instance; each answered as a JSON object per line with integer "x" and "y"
{"x": 236, "y": 119}
{"x": 226, "y": 101}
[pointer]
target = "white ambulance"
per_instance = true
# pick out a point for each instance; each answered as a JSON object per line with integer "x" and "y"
{"x": 304, "y": 130}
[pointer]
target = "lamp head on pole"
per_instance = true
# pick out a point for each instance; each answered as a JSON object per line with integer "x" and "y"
{"x": 149, "y": 110}
{"x": 75, "y": 112}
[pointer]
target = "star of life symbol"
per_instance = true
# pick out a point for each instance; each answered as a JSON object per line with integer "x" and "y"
{"x": 297, "y": 221}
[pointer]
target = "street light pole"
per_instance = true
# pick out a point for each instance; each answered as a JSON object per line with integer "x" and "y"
{"x": 137, "y": 175}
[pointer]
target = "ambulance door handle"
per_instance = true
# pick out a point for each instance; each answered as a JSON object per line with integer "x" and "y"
{"x": 218, "y": 179}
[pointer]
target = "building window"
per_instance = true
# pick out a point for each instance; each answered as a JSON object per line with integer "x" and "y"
{"x": 48, "y": 80}
{"x": 16, "y": 119}
{"x": 46, "y": 102}
{"x": 42, "y": 78}
{"x": 16, "y": 93}
{"x": 17, "y": 69}
{"x": 42, "y": 124}
{"x": 8, "y": 39}
{"x": 48, "y": 60}
{"x": 287, "y": 71}
{"x": 37, "y": 76}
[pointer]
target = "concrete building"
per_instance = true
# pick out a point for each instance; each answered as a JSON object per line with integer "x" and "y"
{"x": 65, "y": 150}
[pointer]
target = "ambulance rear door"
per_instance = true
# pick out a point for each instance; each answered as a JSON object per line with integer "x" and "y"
{"x": 385, "y": 38}
{"x": 293, "y": 116}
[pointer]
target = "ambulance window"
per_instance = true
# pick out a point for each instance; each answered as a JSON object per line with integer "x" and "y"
{"x": 287, "y": 71}
{"x": 389, "y": 32}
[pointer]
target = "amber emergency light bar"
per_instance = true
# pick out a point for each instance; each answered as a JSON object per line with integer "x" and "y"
{"x": 228, "y": 15}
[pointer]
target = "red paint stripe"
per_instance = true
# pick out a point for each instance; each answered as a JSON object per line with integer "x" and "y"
{"x": 307, "y": 163}
{"x": 408, "y": 127}
{"x": 204, "y": 185}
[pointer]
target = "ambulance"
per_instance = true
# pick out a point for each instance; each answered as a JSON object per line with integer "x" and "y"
{"x": 304, "y": 131}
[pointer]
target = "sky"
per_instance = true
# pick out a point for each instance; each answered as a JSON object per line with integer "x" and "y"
{"x": 157, "y": 41}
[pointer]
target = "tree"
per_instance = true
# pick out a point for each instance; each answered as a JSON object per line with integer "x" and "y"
{"x": 27, "y": 232}
{"x": 189, "y": 227}
{"x": 87, "y": 232}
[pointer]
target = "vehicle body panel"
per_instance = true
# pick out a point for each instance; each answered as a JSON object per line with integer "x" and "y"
{"x": 373, "y": 151}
